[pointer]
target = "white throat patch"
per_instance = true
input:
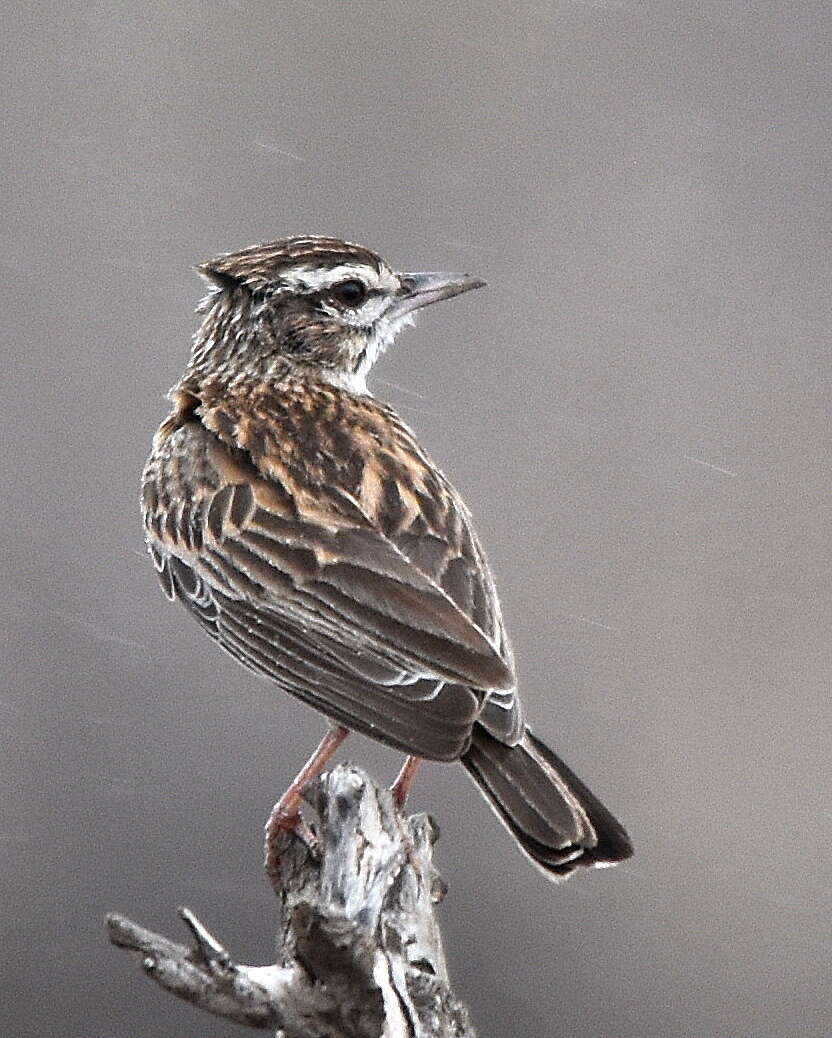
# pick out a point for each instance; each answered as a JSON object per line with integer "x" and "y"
{"x": 384, "y": 333}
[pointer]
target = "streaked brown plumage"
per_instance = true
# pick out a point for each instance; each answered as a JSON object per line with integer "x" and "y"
{"x": 309, "y": 534}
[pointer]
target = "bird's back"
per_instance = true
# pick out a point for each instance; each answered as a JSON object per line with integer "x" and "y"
{"x": 310, "y": 507}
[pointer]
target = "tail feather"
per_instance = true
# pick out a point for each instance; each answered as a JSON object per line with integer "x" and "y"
{"x": 558, "y": 823}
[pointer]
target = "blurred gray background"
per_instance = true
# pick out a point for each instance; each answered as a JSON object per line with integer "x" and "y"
{"x": 636, "y": 409}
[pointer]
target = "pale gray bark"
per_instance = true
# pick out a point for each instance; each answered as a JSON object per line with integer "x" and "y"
{"x": 359, "y": 947}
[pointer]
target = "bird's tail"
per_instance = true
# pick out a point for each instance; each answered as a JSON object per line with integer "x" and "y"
{"x": 558, "y": 823}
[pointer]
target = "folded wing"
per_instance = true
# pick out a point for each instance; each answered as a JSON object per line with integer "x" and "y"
{"x": 381, "y": 636}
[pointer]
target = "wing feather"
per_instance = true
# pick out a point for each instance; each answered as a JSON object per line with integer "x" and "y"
{"x": 395, "y": 632}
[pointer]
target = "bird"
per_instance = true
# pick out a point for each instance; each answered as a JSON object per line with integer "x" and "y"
{"x": 300, "y": 522}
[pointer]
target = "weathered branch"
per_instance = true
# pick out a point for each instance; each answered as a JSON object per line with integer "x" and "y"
{"x": 360, "y": 951}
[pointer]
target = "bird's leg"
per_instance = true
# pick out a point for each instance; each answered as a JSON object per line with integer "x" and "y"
{"x": 286, "y": 812}
{"x": 401, "y": 787}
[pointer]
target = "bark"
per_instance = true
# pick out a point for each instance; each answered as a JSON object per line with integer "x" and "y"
{"x": 359, "y": 946}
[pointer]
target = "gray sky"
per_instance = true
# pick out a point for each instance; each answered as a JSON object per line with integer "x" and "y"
{"x": 636, "y": 410}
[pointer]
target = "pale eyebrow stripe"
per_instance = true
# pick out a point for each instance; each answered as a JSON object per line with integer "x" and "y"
{"x": 313, "y": 278}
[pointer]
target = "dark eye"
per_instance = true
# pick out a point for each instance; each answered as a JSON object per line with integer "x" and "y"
{"x": 349, "y": 293}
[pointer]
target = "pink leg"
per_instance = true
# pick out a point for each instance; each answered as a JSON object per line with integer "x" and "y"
{"x": 401, "y": 787}
{"x": 286, "y": 811}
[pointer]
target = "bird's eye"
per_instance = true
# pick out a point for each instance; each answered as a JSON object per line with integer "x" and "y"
{"x": 349, "y": 293}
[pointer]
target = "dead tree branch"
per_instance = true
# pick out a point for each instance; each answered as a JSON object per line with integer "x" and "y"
{"x": 359, "y": 947}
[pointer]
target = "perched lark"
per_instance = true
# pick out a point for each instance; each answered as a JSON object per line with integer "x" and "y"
{"x": 302, "y": 525}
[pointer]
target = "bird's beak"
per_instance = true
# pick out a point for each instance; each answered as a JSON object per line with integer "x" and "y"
{"x": 418, "y": 290}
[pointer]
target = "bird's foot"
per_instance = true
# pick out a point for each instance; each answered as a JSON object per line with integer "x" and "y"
{"x": 285, "y": 817}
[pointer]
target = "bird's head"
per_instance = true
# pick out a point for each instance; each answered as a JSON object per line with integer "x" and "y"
{"x": 320, "y": 306}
